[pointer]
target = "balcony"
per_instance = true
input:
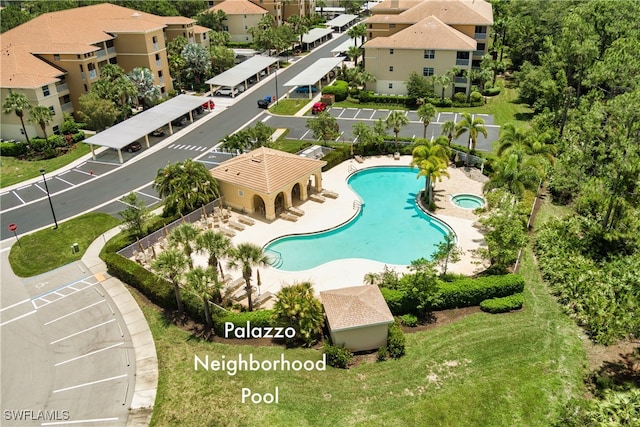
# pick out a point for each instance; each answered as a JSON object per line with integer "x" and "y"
{"x": 101, "y": 53}
{"x": 480, "y": 36}
{"x": 463, "y": 62}
{"x": 83, "y": 76}
{"x": 93, "y": 74}
{"x": 156, "y": 46}
{"x": 67, "y": 107}
{"x": 478, "y": 53}
{"x": 111, "y": 50}
{"x": 161, "y": 80}
{"x": 158, "y": 63}
{"x": 460, "y": 80}
{"x": 63, "y": 87}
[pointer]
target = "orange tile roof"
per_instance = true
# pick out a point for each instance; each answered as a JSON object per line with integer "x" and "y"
{"x": 265, "y": 170}
{"x": 200, "y": 29}
{"x": 239, "y": 7}
{"x": 176, "y": 20}
{"x": 451, "y": 12}
{"x": 430, "y": 33}
{"x": 354, "y": 307}
{"x": 20, "y": 69}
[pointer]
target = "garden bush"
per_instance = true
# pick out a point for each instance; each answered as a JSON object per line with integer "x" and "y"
{"x": 368, "y": 96}
{"x": 469, "y": 292}
{"x": 459, "y": 98}
{"x": 491, "y": 91}
{"x": 335, "y": 157}
{"x": 258, "y": 319}
{"x": 12, "y": 149}
{"x": 396, "y": 300}
{"x": 395, "y": 341}
{"x": 383, "y": 353}
{"x": 475, "y": 97}
{"x": 337, "y": 356}
{"x": 339, "y": 88}
{"x": 502, "y": 305}
{"x": 409, "y": 320}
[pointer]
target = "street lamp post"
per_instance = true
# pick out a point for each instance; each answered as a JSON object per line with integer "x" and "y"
{"x": 49, "y": 197}
{"x": 277, "y": 97}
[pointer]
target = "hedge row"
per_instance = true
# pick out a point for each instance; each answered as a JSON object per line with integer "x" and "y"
{"x": 13, "y": 149}
{"x": 335, "y": 157}
{"x": 258, "y": 319}
{"x": 469, "y": 292}
{"x": 502, "y": 305}
{"x": 368, "y": 96}
{"x": 397, "y": 301}
{"x": 339, "y": 88}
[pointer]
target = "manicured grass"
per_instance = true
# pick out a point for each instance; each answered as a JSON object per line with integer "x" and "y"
{"x": 288, "y": 107}
{"x": 550, "y": 210}
{"x": 289, "y": 145}
{"x": 350, "y": 104}
{"x": 484, "y": 370}
{"x": 13, "y": 171}
{"x": 48, "y": 249}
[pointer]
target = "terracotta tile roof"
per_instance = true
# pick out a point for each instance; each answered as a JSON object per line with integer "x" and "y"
{"x": 200, "y": 29}
{"x": 353, "y": 307}
{"x": 430, "y": 33}
{"x": 176, "y": 20}
{"x": 451, "y": 12}
{"x": 239, "y": 7}
{"x": 20, "y": 69}
{"x": 265, "y": 170}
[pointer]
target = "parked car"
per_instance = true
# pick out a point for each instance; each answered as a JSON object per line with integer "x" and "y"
{"x": 180, "y": 121}
{"x": 318, "y": 107}
{"x": 209, "y": 104}
{"x": 226, "y": 91}
{"x": 133, "y": 147}
{"x": 158, "y": 132}
{"x": 264, "y": 102}
{"x": 305, "y": 89}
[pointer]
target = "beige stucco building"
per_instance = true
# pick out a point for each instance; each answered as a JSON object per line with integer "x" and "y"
{"x": 56, "y": 57}
{"x": 357, "y": 317}
{"x": 267, "y": 182}
{"x": 241, "y": 15}
{"x": 429, "y": 37}
{"x": 281, "y": 10}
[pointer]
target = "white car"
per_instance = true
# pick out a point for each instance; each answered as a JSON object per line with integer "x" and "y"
{"x": 227, "y": 91}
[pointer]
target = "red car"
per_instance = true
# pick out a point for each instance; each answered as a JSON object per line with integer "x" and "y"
{"x": 209, "y": 104}
{"x": 318, "y": 107}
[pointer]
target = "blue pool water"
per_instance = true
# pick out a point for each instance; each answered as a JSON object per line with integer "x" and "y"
{"x": 468, "y": 201}
{"x": 390, "y": 228}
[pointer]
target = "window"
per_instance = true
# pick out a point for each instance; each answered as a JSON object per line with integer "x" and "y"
{"x": 204, "y": 36}
{"x": 429, "y": 54}
{"x": 81, "y": 68}
{"x": 154, "y": 39}
{"x": 160, "y": 73}
{"x": 240, "y": 193}
{"x": 56, "y": 57}
{"x": 390, "y": 51}
{"x": 390, "y": 85}
{"x": 225, "y": 28}
{"x": 113, "y": 60}
{"x": 53, "y": 110}
{"x": 56, "y": 130}
{"x": 391, "y": 68}
{"x": 392, "y": 25}
{"x": 427, "y": 71}
{"x": 370, "y": 26}
{"x": 481, "y": 29}
{"x": 245, "y": 27}
{"x": 45, "y": 90}
{"x": 157, "y": 57}
{"x": 162, "y": 90}
{"x": 481, "y": 46}
{"x": 85, "y": 87}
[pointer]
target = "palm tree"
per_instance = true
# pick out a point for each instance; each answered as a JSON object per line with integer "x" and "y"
{"x": 432, "y": 159}
{"x": 216, "y": 245}
{"x": 356, "y": 31}
{"x": 197, "y": 62}
{"x": 297, "y": 307}
{"x": 171, "y": 263}
{"x": 448, "y": 129}
{"x": 246, "y": 256}
{"x": 185, "y": 234}
{"x": 512, "y": 138}
{"x": 473, "y": 126}
{"x": 395, "y": 121}
{"x": 205, "y": 284}
{"x": 426, "y": 113}
{"x": 42, "y": 116}
{"x": 444, "y": 81}
{"x": 354, "y": 52}
{"x": 185, "y": 186}
{"x": 148, "y": 92}
{"x": 516, "y": 172}
{"x": 298, "y": 26}
{"x": 17, "y": 103}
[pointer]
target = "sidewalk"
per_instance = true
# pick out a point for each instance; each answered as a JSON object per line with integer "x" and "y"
{"x": 144, "y": 394}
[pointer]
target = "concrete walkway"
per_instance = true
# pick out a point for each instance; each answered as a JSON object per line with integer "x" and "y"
{"x": 144, "y": 394}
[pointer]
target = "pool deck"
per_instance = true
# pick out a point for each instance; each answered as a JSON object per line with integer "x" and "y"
{"x": 333, "y": 212}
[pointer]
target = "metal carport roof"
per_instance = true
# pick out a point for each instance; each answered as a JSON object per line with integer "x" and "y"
{"x": 144, "y": 123}
{"x": 343, "y": 47}
{"x": 341, "y": 20}
{"x": 315, "y": 34}
{"x": 243, "y": 71}
{"x": 314, "y": 72}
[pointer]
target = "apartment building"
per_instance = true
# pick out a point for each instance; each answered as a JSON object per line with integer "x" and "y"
{"x": 241, "y": 15}
{"x": 56, "y": 57}
{"x": 429, "y": 37}
{"x": 281, "y": 10}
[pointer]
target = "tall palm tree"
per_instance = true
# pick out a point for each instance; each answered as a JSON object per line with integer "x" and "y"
{"x": 17, "y": 103}
{"x": 148, "y": 93}
{"x": 298, "y": 26}
{"x": 216, "y": 245}
{"x": 41, "y": 116}
{"x": 246, "y": 256}
{"x": 171, "y": 263}
{"x": 432, "y": 159}
{"x": 512, "y": 138}
{"x": 354, "y": 52}
{"x": 395, "y": 121}
{"x": 205, "y": 284}
{"x": 356, "y": 31}
{"x": 516, "y": 172}
{"x": 474, "y": 126}
{"x": 426, "y": 112}
{"x": 444, "y": 81}
{"x": 448, "y": 129}
{"x": 185, "y": 234}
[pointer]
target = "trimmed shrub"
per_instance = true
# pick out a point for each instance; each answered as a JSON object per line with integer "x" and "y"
{"x": 491, "y": 91}
{"x": 475, "y": 97}
{"x": 396, "y": 300}
{"x": 258, "y": 319}
{"x": 459, "y": 98}
{"x": 383, "y": 354}
{"x": 335, "y": 157}
{"x": 368, "y": 96}
{"x": 339, "y": 88}
{"x": 337, "y": 356}
{"x": 12, "y": 149}
{"x": 469, "y": 292}
{"x": 409, "y": 320}
{"x": 395, "y": 341}
{"x": 502, "y": 305}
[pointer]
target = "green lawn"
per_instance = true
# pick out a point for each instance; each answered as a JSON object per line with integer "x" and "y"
{"x": 289, "y": 145}
{"x": 484, "y": 370}
{"x": 13, "y": 171}
{"x": 288, "y": 107}
{"x": 48, "y": 249}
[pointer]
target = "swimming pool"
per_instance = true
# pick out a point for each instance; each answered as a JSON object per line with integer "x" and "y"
{"x": 390, "y": 228}
{"x": 468, "y": 201}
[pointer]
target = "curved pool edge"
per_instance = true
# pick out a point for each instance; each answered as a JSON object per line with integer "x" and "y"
{"x": 426, "y": 212}
{"x": 482, "y": 198}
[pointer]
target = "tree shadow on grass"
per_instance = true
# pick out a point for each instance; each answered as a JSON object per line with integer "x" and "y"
{"x": 618, "y": 374}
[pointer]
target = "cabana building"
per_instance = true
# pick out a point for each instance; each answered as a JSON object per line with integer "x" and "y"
{"x": 267, "y": 182}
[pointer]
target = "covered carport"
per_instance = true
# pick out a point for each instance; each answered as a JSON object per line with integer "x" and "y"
{"x": 343, "y": 47}
{"x": 341, "y": 22}
{"x": 315, "y": 73}
{"x": 144, "y": 123}
{"x": 315, "y": 37}
{"x": 252, "y": 67}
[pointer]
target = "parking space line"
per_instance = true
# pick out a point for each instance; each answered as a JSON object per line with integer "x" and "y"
{"x": 148, "y": 195}
{"x": 98, "y": 162}
{"x": 90, "y": 383}
{"x": 265, "y": 119}
{"x": 74, "y": 312}
{"x": 341, "y": 113}
{"x": 305, "y": 134}
{"x": 91, "y": 353}
{"x": 40, "y": 188}
{"x": 94, "y": 420}
{"x": 438, "y": 119}
{"x": 206, "y": 161}
{"x": 82, "y": 331}
{"x": 339, "y": 136}
{"x": 86, "y": 173}
{"x": 65, "y": 181}
{"x": 14, "y": 305}
{"x": 18, "y": 318}
{"x": 372, "y": 114}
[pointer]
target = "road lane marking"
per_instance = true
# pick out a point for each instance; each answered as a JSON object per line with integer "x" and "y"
{"x": 89, "y": 354}
{"x": 148, "y": 195}
{"x": 82, "y": 331}
{"x": 265, "y": 119}
{"x": 94, "y": 420}
{"x": 18, "y": 318}
{"x": 90, "y": 383}
{"x": 73, "y": 312}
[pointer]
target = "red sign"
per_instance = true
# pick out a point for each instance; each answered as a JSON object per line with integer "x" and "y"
{"x": 13, "y": 227}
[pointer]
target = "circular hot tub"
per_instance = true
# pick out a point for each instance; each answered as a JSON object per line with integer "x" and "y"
{"x": 468, "y": 201}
